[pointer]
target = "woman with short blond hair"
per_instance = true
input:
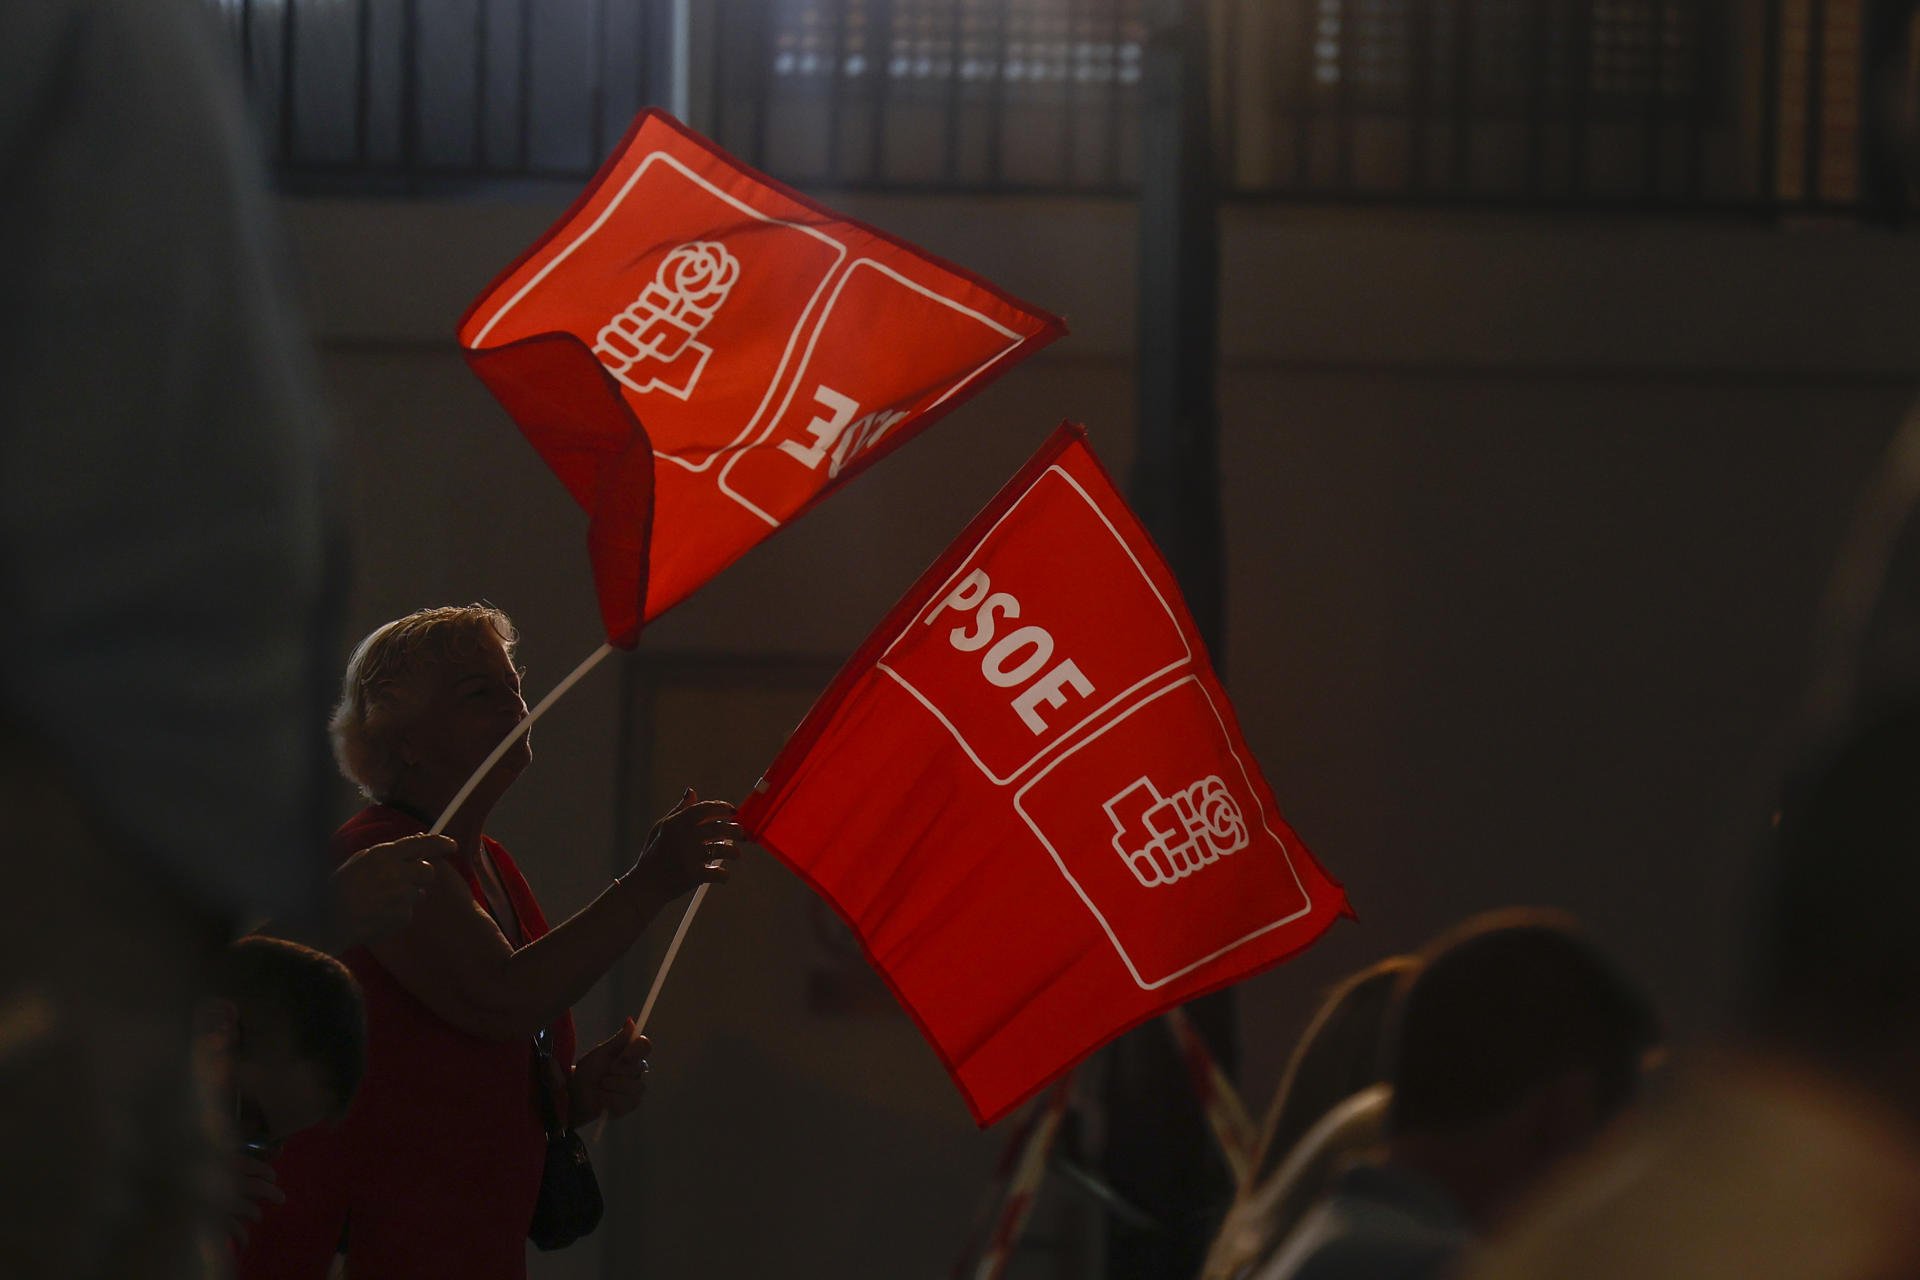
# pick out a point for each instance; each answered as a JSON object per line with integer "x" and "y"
{"x": 435, "y": 1169}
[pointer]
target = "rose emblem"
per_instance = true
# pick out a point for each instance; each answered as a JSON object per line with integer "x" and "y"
{"x": 1221, "y": 823}
{"x": 702, "y": 273}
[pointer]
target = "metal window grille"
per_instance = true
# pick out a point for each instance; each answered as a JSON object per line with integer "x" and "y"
{"x": 1494, "y": 100}
{"x": 997, "y": 94}
{"x": 1682, "y": 105}
{"x": 409, "y": 94}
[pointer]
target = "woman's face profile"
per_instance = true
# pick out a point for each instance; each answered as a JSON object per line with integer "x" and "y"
{"x": 473, "y": 701}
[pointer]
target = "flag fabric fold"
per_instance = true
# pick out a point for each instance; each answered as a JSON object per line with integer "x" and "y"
{"x": 700, "y": 354}
{"x": 1029, "y": 798}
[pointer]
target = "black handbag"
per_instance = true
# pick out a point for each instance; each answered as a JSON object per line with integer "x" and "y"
{"x": 569, "y": 1205}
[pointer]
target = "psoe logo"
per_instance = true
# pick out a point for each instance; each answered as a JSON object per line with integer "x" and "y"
{"x": 653, "y": 345}
{"x": 1167, "y": 838}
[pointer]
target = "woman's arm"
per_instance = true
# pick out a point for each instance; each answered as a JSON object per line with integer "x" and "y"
{"x": 454, "y": 959}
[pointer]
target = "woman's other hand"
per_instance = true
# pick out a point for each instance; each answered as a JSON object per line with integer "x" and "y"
{"x": 690, "y": 846}
{"x": 376, "y": 888}
{"x": 254, "y": 1184}
{"x": 610, "y": 1079}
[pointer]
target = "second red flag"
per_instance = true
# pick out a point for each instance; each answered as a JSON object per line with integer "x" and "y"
{"x": 1029, "y": 797}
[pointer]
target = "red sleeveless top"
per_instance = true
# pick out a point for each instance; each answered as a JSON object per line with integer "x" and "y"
{"x": 434, "y": 1170}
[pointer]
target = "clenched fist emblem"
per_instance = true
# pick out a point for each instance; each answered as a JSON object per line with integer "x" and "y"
{"x": 1167, "y": 838}
{"x": 653, "y": 345}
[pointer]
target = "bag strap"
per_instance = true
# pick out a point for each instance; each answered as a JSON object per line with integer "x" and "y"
{"x": 543, "y": 1083}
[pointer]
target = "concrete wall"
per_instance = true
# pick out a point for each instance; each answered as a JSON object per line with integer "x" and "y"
{"x": 1527, "y": 521}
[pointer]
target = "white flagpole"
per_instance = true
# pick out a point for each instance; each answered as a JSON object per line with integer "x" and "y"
{"x": 666, "y": 961}
{"x": 599, "y": 1125}
{"x": 591, "y": 661}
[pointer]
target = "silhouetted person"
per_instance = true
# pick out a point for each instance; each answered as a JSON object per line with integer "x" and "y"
{"x": 1795, "y": 1150}
{"x": 282, "y": 1043}
{"x": 438, "y": 1167}
{"x": 1512, "y": 1045}
{"x": 163, "y": 585}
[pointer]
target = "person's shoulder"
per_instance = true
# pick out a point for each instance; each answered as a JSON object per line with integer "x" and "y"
{"x": 1742, "y": 1165}
{"x": 1356, "y": 1234}
{"x": 1365, "y": 1255}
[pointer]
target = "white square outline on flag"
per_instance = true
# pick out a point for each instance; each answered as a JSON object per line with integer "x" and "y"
{"x": 880, "y": 664}
{"x": 806, "y": 359}
{"x": 840, "y": 252}
{"x": 1246, "y": 777}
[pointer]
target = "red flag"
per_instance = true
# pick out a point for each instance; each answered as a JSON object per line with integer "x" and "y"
{"x": 700, "y": 354}
{"x": 1027, "y": 794}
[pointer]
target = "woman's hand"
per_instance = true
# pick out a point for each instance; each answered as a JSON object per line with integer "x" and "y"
{"x": 254, "y": 1184}
{"x": 688, "y": 847}
{"x": 610, "y": 1079}
{"x": 376, "y": 888}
